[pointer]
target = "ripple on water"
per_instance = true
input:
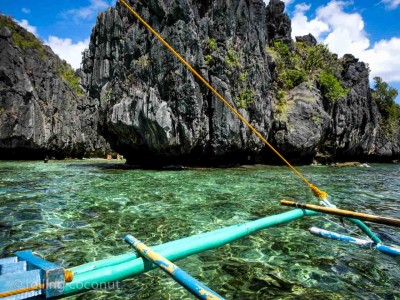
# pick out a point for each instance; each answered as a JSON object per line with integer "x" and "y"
{"x": 73, "y": 213}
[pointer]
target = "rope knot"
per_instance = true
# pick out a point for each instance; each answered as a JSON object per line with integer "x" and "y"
{"x": 318, "y": 193}
{"x": 68, "y": 276}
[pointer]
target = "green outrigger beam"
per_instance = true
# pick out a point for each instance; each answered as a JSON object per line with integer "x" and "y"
{"x": 97, "y": 274}
{"x": 120, "y": 267}
{"x": 117, "y": 268}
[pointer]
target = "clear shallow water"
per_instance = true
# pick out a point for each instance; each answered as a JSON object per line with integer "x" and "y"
{"x": 72, "y": 212}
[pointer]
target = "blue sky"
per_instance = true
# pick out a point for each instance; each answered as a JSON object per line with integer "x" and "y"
{"x": 369, "y": 29}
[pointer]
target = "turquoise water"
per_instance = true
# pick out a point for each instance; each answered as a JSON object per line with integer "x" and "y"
{"x": 73, "y": 212}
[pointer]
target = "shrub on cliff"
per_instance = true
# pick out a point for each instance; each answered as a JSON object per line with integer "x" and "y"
{"x": 307, "y": 62}
{"x": 22, "y": 38}
{"x": 331, "y": 87}
{"x": 68, "y": 74}
{"x": 288, "y": 66}
{"x": 314, "y": 59}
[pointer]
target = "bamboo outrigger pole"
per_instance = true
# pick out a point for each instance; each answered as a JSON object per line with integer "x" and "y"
{"x": 198, "y": 289}
{"x": 365, "y": 243}
{"x": 344, "y": 213}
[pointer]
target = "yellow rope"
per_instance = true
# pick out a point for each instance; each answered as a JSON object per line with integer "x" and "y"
{"x": 315, "y": 190}
{"x": 68, "y": 277}
{"x": 21, "y": 291}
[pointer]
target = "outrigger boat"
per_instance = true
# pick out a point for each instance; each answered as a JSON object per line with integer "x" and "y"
{"x": 26, "y": 276}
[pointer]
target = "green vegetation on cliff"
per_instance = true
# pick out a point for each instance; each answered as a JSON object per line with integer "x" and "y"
{"x": 22, "y": 38}
{"x": 384, "y": 96}
{"x": 238, "y": 73}
{"x": 211, "y": 46}
{"x": 307, "y": 63}
{"x": 331, "y": 87}
{"x": 26, "y": 41}
{"x": 143, "y": 62}
{"x": 235, "y": 67}
{"x": 68, "y": 74}
{"x": 232, "y": 59}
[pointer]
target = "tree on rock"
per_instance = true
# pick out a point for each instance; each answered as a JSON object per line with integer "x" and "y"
{"x": 384, "y": 96}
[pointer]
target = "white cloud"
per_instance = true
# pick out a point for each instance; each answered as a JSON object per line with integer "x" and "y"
{"x": 302, "y": 26}
{"x": 64, "y": 48}
{"x": 288, "y": 2}
{"x": 344, "y": 33}
{"x": 25, "y": 24}
{"x": 67, "y": 50}
{"x": 90, "y": 11}
{"x": 347, "y": 33}
{"x": 26, "y": 10}
{"x": 384, "y": 59}
{"x": 391, "y": 4}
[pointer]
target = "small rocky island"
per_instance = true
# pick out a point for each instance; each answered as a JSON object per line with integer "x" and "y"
{"x": 132, "y": 95}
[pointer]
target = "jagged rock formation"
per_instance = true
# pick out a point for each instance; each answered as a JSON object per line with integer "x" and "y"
{"x": 279, "y": 26}
{"x": 154, "y": 111}
{"x": 40, "y": 114}
{"x": 304, "y": 126}
{"x": 314, "y": 128}
{"x": 152, "y": 108}
{"x": 356, "y": 130}
{"x": 308, "y": 39}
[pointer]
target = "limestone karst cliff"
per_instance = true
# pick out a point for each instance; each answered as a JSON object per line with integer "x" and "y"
{"x": 40, "y": 112}
{"x": 154, "y": 111}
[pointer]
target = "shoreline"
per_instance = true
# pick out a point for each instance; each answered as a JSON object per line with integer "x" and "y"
{"x": 122, "y": 164}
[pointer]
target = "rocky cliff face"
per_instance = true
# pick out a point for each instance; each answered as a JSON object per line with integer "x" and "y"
{"x": 153, "y": 110}
{"x": 314, "y": 128}
{"x": 40, "y": 114}
{"x": 356, "y": 130}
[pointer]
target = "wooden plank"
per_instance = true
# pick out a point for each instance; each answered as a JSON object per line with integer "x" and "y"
{"x": 35, "y": 262}
{"x": 8, "y": 260}
{"x": 198, "y": 289}
{"x": 17, "y": 267}
{"x": 18, "y": 281}
{"x": 54, "y": 275}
